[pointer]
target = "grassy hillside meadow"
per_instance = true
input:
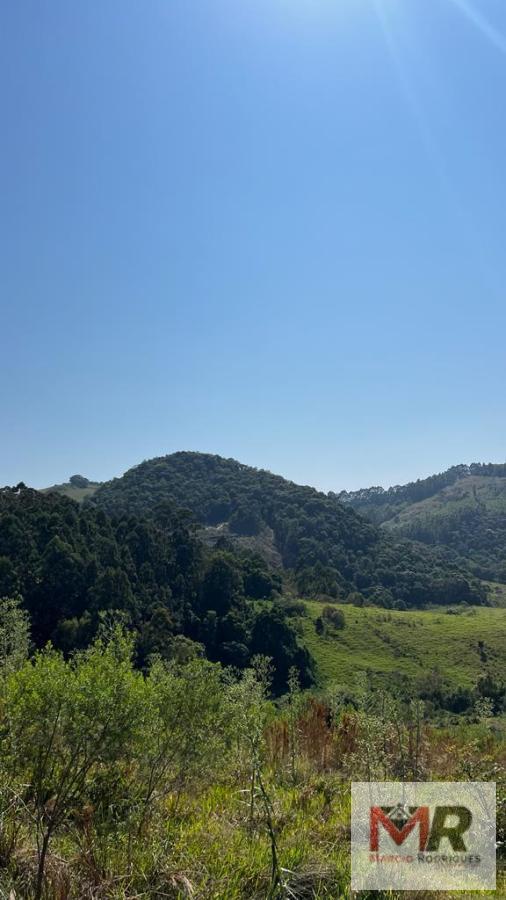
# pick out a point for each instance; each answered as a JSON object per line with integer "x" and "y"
{"x": 396, "y": 645}
{"x": 467, "y": 494}
{"x": 79, "y": 494}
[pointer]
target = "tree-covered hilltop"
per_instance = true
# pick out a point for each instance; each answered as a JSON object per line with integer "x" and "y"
{"x": 324, "y": 546}
{"x": 76, "y": 567}
{"x": 463, "y": 508}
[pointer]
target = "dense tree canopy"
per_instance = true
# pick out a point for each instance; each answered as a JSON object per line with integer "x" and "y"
{"x": 76, "y": 567}
{"x": 322, "y": 543}
{"x": 134, "y": 553}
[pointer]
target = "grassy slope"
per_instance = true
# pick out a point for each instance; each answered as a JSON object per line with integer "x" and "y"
{"x": 467, "y": 494}
{"x": 409, "y": 643}
{"x": 75, "y": 493}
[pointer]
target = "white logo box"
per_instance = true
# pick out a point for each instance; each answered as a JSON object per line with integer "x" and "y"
{"x": 438, "y": 836}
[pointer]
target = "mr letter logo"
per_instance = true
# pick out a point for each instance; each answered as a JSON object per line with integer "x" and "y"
{"x": 399, "y": 822}
{"x": 423, "y": 836}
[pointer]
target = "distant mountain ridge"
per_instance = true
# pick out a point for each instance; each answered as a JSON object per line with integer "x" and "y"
{"x": 463, "y": 509}
{"x": 422, "y": 488}
{"x": 323, "y": 544}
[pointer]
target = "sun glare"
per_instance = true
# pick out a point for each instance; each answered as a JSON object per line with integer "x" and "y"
{"x": 481, "y": 23}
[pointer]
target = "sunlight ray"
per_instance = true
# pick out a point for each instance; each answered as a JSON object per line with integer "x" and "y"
{"x": 482, "y": 24}
{"x": 430, "y": 145}
{"x": 406, "y": 87}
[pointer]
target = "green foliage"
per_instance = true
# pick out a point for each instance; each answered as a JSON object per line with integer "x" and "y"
{"x": 294, "y": 705}
{"x": 77, "y": 488}
{"x": 273, "y": 637}
{"x": 464, "y": 509}
{"x": 14, "y": 635}
{"x": 449, "y": 660}
{"x": 75, "y": 565}
{"x": 333, "y": 617}
{"x": 79, "y": 481}
{"x": 246, "y": 520}
{"x": 321, "y": 542}
{"x": 188, "y": 729}
{"x": 186, "y": 781}
{"x": 63, "y": 721}
{"x": 386, "y": 502}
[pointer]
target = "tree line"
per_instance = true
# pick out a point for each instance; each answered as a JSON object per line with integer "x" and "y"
{"x": 76, "y": 567}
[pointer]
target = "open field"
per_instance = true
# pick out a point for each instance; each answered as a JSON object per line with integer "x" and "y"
{"x": 72, "y": 491}
{"x": 461, "y": 645}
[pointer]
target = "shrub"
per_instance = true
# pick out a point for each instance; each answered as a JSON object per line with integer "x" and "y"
{"x": 333, "y": 617}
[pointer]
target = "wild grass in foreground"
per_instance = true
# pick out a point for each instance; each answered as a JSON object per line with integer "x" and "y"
{"x": 188, "y": 782}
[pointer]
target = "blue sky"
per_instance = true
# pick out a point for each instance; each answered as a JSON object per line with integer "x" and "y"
{"x": 269, "y": 229}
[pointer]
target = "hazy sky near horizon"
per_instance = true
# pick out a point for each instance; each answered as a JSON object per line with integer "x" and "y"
{"x": 269, "y": 229}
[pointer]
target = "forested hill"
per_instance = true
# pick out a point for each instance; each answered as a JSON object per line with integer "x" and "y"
{"x": 324, "y": 546}
{"x": 463, "y": 508}
{"x": 76, "y": 569}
